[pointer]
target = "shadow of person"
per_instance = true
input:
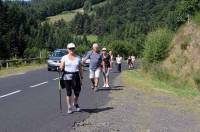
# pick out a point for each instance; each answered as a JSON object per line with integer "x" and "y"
{"x": 118, "y": 86}
{"x": 109, "y": 89}
{"x": 96, "y": 110}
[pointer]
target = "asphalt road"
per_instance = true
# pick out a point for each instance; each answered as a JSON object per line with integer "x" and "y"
{"x": 29, "y": 102}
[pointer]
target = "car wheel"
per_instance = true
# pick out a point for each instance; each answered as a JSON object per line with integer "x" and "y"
{"x": 49, "y": 69}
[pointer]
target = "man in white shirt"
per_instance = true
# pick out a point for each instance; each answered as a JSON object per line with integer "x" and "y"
{"x": 133, "y": 61}
{"x": 119, "y": 62}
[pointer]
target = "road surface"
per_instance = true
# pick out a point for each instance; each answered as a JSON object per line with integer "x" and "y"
{"x": 29, "y": 102}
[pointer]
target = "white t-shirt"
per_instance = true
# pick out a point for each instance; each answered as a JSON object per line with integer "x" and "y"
{"x": 119, "y": 60}
{"x": 70, "y": 66}
{"x": 133, "y": 58}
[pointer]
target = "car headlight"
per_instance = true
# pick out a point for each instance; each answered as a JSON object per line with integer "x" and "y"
{"x": 50, "y": 61}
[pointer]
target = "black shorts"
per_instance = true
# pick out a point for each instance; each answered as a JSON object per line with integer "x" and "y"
{"x": 74, "y": 85}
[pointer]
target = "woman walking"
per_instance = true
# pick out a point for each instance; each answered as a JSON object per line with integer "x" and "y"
{"x": 73, "y": 75}
{"x": 106, "y": 67}
{"x": 111, "y": 59}
{"x": 129, "y": 61}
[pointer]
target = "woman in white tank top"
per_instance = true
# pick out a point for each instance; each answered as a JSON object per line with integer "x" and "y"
{"x": 73, "y": 75}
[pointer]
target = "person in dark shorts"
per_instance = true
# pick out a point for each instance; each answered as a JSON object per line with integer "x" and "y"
{"x": 129, "y": 61}
{"x": 106, "y": 67}
{"x": 119, "y": 63}
{"x": 73, "y": 75}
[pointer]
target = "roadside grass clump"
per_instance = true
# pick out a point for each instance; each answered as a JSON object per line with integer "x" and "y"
{"x": 196, "y": 78}
{"x": 185, "y": 43}
{"x": 196, "y": 18}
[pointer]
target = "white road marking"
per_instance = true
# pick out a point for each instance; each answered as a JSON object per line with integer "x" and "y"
{"x": 21, "y": 73}
{"x": 10, "y": 94}
{"x": 56, "y": 78}
{"x": 38, "y": 84}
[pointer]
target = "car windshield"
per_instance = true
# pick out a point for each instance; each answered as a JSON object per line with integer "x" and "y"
{"x": 59, "y": 53}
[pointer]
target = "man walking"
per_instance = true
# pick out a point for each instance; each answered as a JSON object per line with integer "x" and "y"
{"x": 95, "y": 65}
{"x": 119, "y": 62}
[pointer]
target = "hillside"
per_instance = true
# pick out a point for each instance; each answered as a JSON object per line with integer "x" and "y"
{"x": 184, "y": 58}
{"x": 68, "y": 16}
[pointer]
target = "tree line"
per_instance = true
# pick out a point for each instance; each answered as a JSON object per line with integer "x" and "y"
{"x": 118, "y": 23}
{"x": 131, "y": 20}
{"x": 22, "y": 33}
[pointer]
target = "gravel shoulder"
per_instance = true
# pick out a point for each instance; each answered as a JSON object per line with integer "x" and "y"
{"x": 135, "y": 110}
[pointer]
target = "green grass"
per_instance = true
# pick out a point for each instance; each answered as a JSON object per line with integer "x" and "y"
{"x": 20, "y": 69}
{"x": 141, "y": 80}
{"x": 68, "y": 16}
{"x": 92, "y": 38}
{"x": 196, "y": 18}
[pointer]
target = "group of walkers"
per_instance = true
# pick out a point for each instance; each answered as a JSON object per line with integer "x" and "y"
{"x": 71, "y": 64}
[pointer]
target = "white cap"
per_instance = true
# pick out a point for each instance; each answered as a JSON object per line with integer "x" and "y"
{"x": 71, "y": 45}
{"x": 104, "y": 49}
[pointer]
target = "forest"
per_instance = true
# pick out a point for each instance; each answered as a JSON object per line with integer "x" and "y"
{"x": 119, "y": 23}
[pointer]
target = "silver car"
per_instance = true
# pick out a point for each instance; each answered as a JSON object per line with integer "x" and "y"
{"x": 54, "y": 59}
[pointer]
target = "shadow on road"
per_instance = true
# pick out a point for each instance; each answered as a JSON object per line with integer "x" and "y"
{"x": 109, "y": 89}
{"x": 97, "y": 110}
{"x": 113, "y": 88}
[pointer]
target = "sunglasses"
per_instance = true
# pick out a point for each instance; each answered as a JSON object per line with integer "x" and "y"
{"x": 71, "y": 49}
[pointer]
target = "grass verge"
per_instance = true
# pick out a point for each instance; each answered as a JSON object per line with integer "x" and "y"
{"x": 196, "y": 18}
{"x": 147, "y": 82}
{"x": 21, "y": 69}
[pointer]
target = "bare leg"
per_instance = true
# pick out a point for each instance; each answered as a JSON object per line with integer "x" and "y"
{"x": 96, "y": 82}
{"x": 69, "y": 101}
{"x": 93, "y": 82}
{"x": 107, "y": 80}
{"x": 104, "y": 79}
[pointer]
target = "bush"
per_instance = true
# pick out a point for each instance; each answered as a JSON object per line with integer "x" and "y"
{"x": 124, "y": 48}
{"x": 157, "y": 45}
{"x": 36, "y": 52}
{"x": 196, "y": 78}
{"x": 197, "y": 18}
{"x": 81, "y": 49}
{"x": 186, "y": 43}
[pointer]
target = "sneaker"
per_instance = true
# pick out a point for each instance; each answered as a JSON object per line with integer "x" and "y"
{"x": 78, "y": 109}
{"x": 69, "y": 111}
{"x": 92, "y": 86}
{"x": 104, "y": 85}
{"x": 107, "y": 86}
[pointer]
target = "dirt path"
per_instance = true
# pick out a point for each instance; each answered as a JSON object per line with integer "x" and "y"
{"x": 136, "y": 110}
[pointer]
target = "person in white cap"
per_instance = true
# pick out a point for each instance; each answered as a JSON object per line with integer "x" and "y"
{"x": 95, "y": 65}
{"x": 106, "y": 67}
{"x": 73, "y": 75}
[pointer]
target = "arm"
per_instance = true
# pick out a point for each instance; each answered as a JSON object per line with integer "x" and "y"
{"x": 111, "y": 61}
{"x": 81, "y": 70}
{"x": 102, "y": 63}
{"x": 87, "y": 57}
{"x": 81, "y": 73}
{"x": 62, "y": 64}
